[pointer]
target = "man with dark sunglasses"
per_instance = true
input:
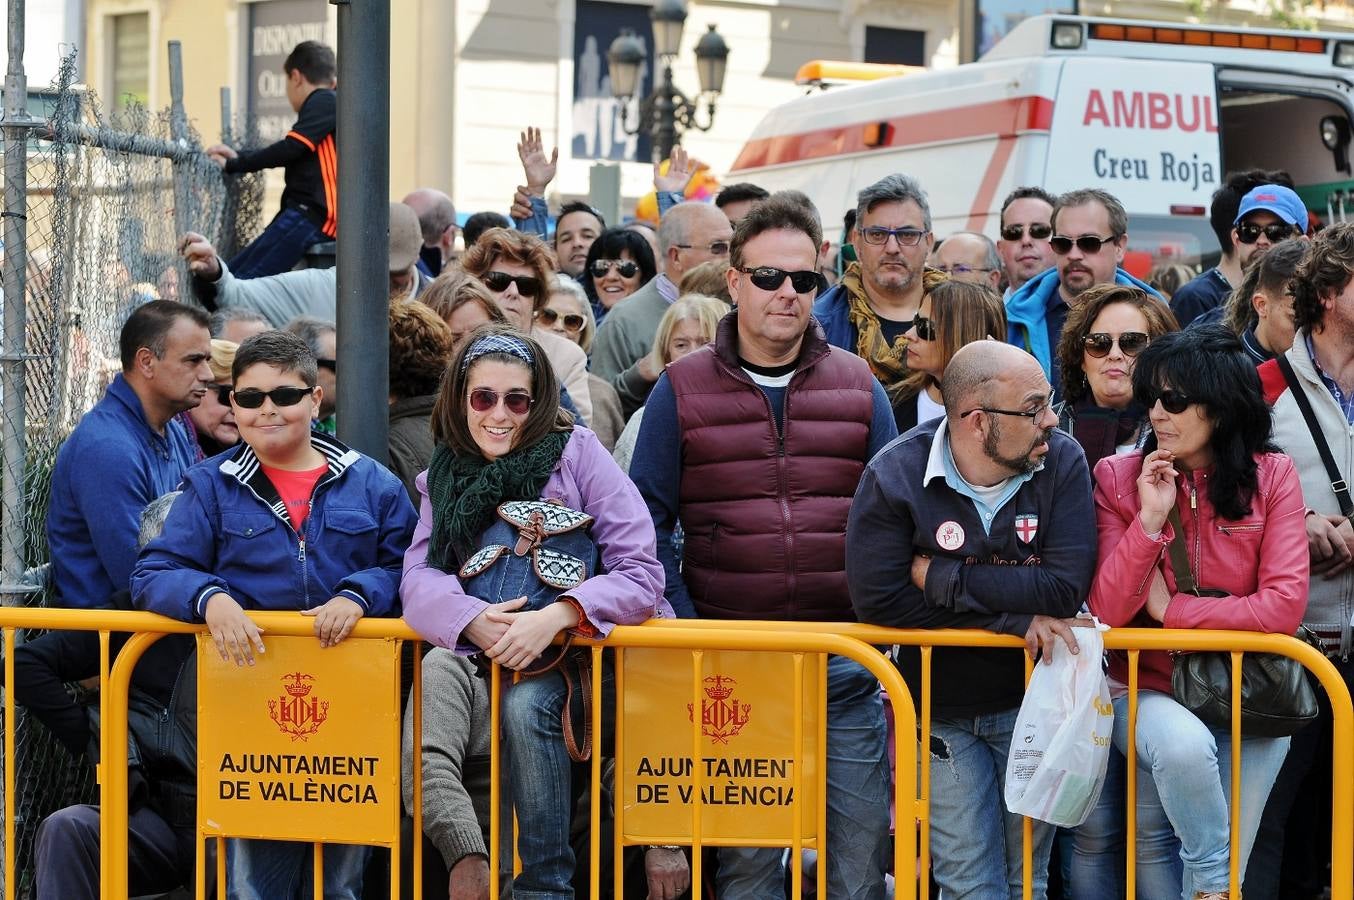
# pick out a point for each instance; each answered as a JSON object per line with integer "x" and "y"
{"x": 756, "y": 444}
{"x": 1026, "y": 225}
{"x": 1208, "y": 291}
{"x": 1090, "y": 236}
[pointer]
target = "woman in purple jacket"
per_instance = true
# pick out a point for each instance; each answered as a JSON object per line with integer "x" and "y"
{"x": 501, "y": 435}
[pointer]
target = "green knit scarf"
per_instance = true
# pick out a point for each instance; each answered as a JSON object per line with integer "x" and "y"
{"x": 466, "y": 489}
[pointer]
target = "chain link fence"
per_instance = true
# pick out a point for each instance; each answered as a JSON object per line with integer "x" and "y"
{"x": 107, "y": 195}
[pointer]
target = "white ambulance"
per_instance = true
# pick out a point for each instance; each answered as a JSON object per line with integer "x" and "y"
{"x": 1155, "y": 113}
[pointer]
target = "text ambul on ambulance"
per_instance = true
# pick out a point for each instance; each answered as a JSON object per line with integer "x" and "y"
{"x": 1155, "y": 113}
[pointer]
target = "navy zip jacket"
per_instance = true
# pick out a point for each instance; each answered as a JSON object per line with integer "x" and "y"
{"x": 109, "y": 469}
{"x": 229, "y": 532}
{"x": 1038, "y": 558}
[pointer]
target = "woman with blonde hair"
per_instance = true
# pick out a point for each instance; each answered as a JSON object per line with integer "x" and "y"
{"x": 688, "y": 325}
{"x": 462, "y": 302}
{"x": 952, "y": 314}
{"x": 211, "y": 424}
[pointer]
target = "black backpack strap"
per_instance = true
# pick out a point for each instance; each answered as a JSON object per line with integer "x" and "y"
{"x": 1337, "y": 483}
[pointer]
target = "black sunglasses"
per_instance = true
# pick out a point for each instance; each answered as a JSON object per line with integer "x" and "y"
{"x": 330, "y": 364}
{"x": 626, "y": 268}
{"x": 1038, "y": 231}
{"x": 1172, "y": 401}
{"x": 716, "y": 248}
{"x": 1098, "y": 343}
{"x": 517, "y": 402}
{"x": 572, "y": 321}
{"x": 926, "y": 328}
{"x": 527, "y": 285}
{"x": 222, "y": 392}
{"x": 281, "y": 396}
{"x": 1249, "y": 232}
{"x": 1089, "y": 244}
{"x": 769, "y": 278}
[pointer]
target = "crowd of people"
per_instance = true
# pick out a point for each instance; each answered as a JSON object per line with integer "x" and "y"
{"x": 730, "y": 417}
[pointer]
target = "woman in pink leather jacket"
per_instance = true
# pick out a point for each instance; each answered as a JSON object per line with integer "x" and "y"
{"x": 1209, "y": 466}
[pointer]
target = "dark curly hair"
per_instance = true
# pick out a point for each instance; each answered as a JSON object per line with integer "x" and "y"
{"x": 1072, "y": 344}
{"x": 1323, "y": 274}
{"x": 1207, "y": 364}
{"x": 420, "y": 348}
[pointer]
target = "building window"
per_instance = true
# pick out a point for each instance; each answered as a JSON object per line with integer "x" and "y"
{"x": 996, "y": 18}
{"x": 130, "y": 69}
{"x": 895, "y": 45}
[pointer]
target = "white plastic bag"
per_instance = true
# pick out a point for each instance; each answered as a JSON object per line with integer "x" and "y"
{"x": 1061, "y": 742}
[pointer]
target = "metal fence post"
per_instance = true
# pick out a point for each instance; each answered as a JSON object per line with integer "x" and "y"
{"x": 363, "y": 224}
{"x": 178, "y": 134}
{"x": 13, "y": 351}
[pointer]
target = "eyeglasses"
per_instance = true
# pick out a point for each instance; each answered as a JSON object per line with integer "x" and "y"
{"x": 1038, "y": 231}
{"x": 1249, "y": 232}
{"x": 926, "y": 328}
{"x": 716, "y": 248}
{"x": 572, "y": 321}
{"x": 961, "y": 269}
{"x": 626, "y": 268}
{"x": 222, "y": 392}
{"x": 281, "y": 396}
{"x": 517, "y": 402}
{"x": 1097, "y": 344}
{"x": 1172, "y": 401}
{"x": 1089, "y": 244}
{"x": 330, "y": 364}
{"x": 527, "y": 285}
{"x": 907, "y": 237}
{"x": 769, "y": 278}
{"x": 1031, "y": 414}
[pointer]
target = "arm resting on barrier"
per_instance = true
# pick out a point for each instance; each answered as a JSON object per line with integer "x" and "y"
{"x": 879, "y": 552}
{"x": 174, "y": 576}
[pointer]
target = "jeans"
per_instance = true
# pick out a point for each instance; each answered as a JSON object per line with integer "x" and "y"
{"x": 1184, "y": 787}
{"x": 1293, "y": 845}
{"x": 857, "y": 801}
{"x": 540, "y": 777}
{"x": 280, "y": 247}
{"x": 1095, "y": 870}
{"x": 284, "y": 870}
{"x": 159, "y": 858}
{"x": 976, "y": 845}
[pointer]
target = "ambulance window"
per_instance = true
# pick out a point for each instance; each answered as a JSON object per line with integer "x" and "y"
{"x": 996, "y": 18}
{"x": 1159, "y": 243}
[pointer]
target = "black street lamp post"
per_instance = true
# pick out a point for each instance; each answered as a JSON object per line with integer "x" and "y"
{"x": 666, "y": 112}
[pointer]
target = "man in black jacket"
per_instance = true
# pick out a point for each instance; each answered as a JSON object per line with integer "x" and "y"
{"x": 161, "y": 785}
{"x": 982, "y": 519}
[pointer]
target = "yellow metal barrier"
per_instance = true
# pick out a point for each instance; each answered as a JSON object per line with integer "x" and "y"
{"x": 850, "y": 640}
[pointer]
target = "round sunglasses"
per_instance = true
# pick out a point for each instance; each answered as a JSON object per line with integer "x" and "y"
{"x": 548, "y": 317}
{"x": 517, "y": 402}
{"x": 527, "y": 285}
{"x": 626, "y": 268}
{"x": 1098, "y": 344}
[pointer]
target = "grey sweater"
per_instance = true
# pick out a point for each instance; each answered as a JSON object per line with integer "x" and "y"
{"x": 455, "y": 756}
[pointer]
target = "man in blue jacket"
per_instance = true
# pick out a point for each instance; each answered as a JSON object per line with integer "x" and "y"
{"x": 981, "y": 519}
{"x": 126, "y": 451}
{"x": 1090, "y": 237}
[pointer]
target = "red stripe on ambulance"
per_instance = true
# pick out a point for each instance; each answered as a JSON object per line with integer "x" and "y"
{"x": 999, "y": 118}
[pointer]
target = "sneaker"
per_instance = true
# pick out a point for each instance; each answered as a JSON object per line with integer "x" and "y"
{"x": 1212, "y": 895}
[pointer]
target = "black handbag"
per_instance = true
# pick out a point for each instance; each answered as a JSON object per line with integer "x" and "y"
{"x": 1276, "y": 697}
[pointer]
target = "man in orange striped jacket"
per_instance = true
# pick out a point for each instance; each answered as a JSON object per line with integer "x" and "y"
{"x": 309, "y": 157}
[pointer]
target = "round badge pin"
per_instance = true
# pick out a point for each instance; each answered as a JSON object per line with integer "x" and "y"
{"x": 950, "y": 535}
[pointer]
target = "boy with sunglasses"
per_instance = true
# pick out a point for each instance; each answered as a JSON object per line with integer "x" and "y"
{"x": 290, "y": 519}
